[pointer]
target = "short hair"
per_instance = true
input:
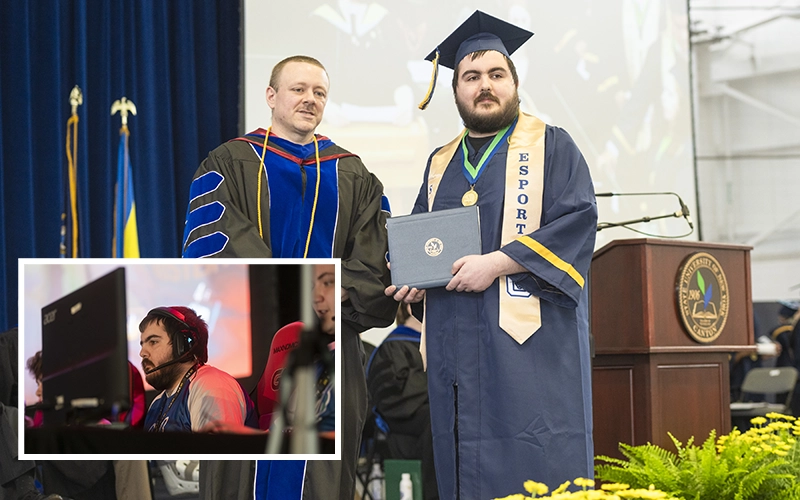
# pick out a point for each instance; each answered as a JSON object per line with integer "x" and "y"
{"x": 34, "y": 365}
{"x": 175, "y": 327}
{"x": 402, "y": 314}
{"x": 276, "y": 71}
{"x": 480, "y": 53}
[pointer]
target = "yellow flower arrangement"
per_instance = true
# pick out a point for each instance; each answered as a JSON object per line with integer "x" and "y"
{"x": 613, "y": 491}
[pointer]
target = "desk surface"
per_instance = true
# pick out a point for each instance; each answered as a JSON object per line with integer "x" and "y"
{"x": 101, "y": 440}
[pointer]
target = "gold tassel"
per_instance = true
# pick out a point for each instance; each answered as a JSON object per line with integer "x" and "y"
{"x": 316, "y": 197}
{"x": 258, "y": 189}
{"x": 434, "y": 76}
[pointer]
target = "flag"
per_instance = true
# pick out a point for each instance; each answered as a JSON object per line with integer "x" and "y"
{"x": 126, "y": 236}
{"x": 69, "y": 214}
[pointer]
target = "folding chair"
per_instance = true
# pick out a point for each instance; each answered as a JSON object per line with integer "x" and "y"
{"x": 769, "y": 382}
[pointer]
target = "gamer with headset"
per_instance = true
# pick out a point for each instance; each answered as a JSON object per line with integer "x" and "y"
{"x": 174, "y": 351}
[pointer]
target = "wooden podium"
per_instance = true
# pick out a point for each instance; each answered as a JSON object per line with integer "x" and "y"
{"x": 649, "y": 376}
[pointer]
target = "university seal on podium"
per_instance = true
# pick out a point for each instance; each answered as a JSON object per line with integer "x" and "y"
{"x": 703, "y": 299}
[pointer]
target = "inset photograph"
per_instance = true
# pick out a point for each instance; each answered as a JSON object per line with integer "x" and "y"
{"x": 179, "y": 358}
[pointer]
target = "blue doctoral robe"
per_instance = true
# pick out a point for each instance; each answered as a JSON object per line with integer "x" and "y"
{"x": 502, "y": 412}
{"x": 349, "y": 223}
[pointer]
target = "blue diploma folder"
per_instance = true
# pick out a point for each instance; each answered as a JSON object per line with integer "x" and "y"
{"x": 424, "y": 246}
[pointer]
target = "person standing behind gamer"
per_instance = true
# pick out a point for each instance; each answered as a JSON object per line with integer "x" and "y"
{"x": 174, "y": 351}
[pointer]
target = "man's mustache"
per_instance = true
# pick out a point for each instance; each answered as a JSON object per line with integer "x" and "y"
{"x": 486, "y": 95}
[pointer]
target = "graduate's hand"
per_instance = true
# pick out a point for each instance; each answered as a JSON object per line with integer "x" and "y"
{"x": 404, "y": 294}
{"x": 345, "y": 295}
{"x": 475, "y": 273}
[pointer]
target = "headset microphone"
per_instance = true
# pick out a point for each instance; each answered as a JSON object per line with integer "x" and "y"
{"x": 185, "y": 357}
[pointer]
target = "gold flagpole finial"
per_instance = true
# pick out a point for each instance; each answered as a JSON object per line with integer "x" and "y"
{"x": 124, "y": 106}
{"x": 75, "y": 99}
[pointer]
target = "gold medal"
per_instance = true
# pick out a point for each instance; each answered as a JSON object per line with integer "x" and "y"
{"x": 470, "y": 197}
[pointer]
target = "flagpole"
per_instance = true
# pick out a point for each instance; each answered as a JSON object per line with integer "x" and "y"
{"x": 71, "y": 203}
{"x": 124, "y": 189}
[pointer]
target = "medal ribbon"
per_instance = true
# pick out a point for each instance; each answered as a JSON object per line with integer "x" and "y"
{"x": 473, "y": 172}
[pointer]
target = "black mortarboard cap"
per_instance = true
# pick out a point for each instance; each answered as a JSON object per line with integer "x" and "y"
{"x": 479, "y": 32}
{"x": 788, "y": 308}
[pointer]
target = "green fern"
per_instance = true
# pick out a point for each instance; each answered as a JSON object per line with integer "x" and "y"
{"x": 761, "y": 464}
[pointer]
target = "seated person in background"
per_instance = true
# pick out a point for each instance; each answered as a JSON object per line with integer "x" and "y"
{"x": 34, "y": 365}
{"x": 782, "y": 334}
{"x": 133, "y": 417}
{"x": 788, "y": 335}
{"x": 398, "y": 390}
{"x": 174, "y": 351}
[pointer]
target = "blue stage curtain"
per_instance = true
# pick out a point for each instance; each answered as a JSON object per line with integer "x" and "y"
{"x": 177, "y": 60}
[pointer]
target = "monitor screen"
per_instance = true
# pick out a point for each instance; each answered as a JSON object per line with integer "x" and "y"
{"x": 85, "y": 352}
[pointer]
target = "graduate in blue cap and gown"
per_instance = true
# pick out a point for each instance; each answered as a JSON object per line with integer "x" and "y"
{"x": 507, "y": 341}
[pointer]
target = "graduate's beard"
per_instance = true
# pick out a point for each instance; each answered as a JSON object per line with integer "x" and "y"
{"x": 488, "y": 123}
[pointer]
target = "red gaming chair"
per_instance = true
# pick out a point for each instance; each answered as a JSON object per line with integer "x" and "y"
{"x": 283, "y": 342}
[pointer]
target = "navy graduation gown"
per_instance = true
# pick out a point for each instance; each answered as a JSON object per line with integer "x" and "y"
{"x": 503, "y": 413}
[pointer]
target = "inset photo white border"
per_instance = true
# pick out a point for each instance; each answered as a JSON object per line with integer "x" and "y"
{"x": 44, "y": 281}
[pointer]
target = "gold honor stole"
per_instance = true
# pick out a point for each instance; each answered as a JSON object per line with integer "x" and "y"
{"x": 520, "y": 313}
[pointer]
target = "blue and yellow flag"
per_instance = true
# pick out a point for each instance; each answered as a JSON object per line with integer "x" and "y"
{"x": 126, "y": 236}
{"x": 69, "y": 215}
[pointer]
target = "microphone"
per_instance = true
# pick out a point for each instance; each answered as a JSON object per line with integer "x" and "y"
{"x": 180, "y": 359}
{"x": 164, "y": 365}
{"x": 685, "y": 212}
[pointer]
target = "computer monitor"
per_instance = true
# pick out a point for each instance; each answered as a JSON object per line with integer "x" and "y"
{"x": 85, "y": 353}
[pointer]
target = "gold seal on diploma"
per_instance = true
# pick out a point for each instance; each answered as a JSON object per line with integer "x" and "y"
{"x": 470, "y": 198}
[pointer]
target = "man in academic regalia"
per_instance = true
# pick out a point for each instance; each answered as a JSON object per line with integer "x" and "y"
{"x": 506, "y": 341}
{"x": 287, "y": 192}
{"x": 787, "y": 335}
{"x": 782, "y": 333}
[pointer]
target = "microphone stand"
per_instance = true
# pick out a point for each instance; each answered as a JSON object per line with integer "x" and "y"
{"x": 682, "y": 213}
{"x": 300, "y": 376}
{"x": 606, "y": 225}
